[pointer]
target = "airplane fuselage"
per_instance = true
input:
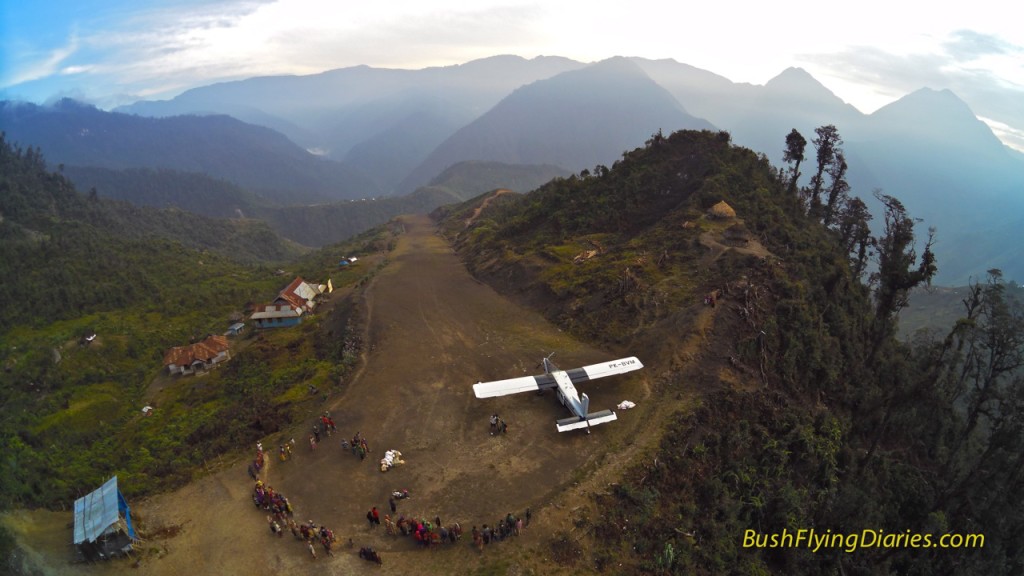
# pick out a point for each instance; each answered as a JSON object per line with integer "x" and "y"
{"x": 568, "y": 395}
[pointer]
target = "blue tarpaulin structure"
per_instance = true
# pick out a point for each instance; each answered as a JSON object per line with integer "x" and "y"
{"x": 98, "y": 515}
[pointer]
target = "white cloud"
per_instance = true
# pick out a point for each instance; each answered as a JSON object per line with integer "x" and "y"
{"x": 869, "y": 53}
{"x": 72, "y": 70}
{"x": 1012, "y": 137}
{"x": 983, "y": 70}
{"x": 29, "y": 67}
{"x": 180, "y": 47}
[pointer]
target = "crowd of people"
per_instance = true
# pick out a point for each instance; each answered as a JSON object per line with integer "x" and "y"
{"x": 425, "y": 532}
{"x": 434, "y": 533}
{"x": 281, "y": 514}
{"x": 325, "y": 425}
{"x": 504, "y": 528}
{"x": 359, "y": 446}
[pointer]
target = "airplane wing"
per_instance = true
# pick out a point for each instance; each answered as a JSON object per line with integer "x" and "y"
{"x": 594, "y": 371}
{"x": 513, "y": 386}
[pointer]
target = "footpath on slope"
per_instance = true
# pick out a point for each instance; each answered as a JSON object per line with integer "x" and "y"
{"x": 432, "y": 332}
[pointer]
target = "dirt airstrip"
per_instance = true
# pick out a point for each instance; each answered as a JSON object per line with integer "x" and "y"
{"x": 432, "y": 332}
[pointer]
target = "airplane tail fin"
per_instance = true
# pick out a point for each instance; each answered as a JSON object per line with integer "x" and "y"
{"x": 585, "y": 403}
{"x": 549, "y": 366}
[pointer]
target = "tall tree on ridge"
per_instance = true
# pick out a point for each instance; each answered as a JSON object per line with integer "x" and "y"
{"x": 896, "y": 274}
{"x": 855, "y": 233}
{"x": 795, "y": 146}
{"x": 837, "y": 191}
{"x": 827, "y": 144}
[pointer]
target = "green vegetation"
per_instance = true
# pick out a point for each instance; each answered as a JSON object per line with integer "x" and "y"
{"x": 253, "y": 216}
{"x": 329, "y": 223}
{"x": 163, "y": 188}
{"x": 813, "y": 414}
{"x": 471, "y": 178}
{"x": 75, "y": 265}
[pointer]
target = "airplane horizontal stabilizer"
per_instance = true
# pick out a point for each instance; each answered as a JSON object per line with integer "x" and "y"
{"x": 592, "y": 419}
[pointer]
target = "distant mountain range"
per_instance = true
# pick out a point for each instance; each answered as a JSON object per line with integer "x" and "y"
{"x": 386, "y": 132}
{"x": 257, "y": 158}
{"x": 576, "y": 120}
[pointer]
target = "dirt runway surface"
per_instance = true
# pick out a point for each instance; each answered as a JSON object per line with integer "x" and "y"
{"x": 432, "y": 332}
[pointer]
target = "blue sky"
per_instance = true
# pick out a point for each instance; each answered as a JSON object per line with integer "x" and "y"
{"x": 111, "y": 52}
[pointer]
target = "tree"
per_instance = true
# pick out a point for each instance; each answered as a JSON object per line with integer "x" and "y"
{"x": 827, "y": 144}
{"x": 896, "y": 274}
{"x": 855, "y": 233}
{"x": 990, "y": 349}
{"x": 838, "y": 190}
{"x": 795, "y": 146}
{"x": 977, "y": 431}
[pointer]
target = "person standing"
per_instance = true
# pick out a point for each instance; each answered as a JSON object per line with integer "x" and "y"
{"x": 376, "y": 516}
{"x": 391, "y": 503}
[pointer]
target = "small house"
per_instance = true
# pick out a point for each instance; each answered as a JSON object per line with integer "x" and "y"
{"x": 235, "y": 329}
{"x": 302, "y": 294}
{"x": 295, "y": 300}
{"x": 197, "y": 357}
{"x": 276, "y": 316}
{"x": 103, "y": 523}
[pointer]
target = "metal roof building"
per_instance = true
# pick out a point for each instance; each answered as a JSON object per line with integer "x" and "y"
{"x": 103, "y": 523}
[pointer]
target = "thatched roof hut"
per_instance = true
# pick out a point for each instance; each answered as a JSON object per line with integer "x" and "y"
{"x": 722, "y": 211}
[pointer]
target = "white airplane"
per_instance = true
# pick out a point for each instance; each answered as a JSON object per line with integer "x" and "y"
{"x": 563, "y": 381}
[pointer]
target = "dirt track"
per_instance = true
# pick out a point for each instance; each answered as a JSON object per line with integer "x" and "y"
{"x": 435, "y": 331}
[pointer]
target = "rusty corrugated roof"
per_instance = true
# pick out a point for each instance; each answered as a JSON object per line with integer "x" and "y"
{"x": 203, "y": 351}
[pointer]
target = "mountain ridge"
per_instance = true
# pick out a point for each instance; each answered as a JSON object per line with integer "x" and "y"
{"x": 952, "y": 179}
{"x": 557, "y": 132}
{"x": 253, "y": 156}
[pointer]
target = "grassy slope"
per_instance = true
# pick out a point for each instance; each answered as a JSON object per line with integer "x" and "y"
{"x": 71, "y": 413}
